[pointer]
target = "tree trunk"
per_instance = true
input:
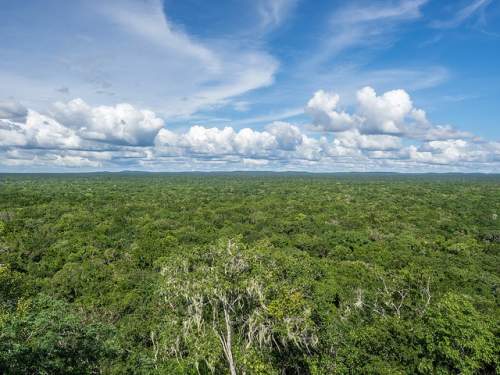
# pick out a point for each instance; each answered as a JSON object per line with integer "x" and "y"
{"x": 228, "y": 343}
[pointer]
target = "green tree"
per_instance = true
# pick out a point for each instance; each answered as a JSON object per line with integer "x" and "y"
{"x": 44, "y": 336}
{"x": 237, "y": 299}
{"x": 458, "y": 339}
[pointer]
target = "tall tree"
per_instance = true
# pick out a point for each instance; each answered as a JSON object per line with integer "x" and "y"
{"x": 237, "y": 297}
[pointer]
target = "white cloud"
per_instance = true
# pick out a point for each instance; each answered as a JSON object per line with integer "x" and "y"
{"x": 391, "y": 113}
{"x": 201, "y": 74}
{"x": 354, "y": 139}
{"x": 280, "y": 141}
{"x": 385, "y": 132}
{"x": 383, "y": 114}
{"x": 37, "y": 131}
{"x": 322, "y": 108}
{"x": 37, "y": 158}
{"x": 75, "y": 161}
{"x": 442, "y": 132}
{"x": 44, "y": 131}
{"x": 121, "y": 124}
{"x": 11, "y": 134}
{"x": 288, "y": 136}
{"x": 273, "y": 12}
{"x": 454, "y": 152}
{"x": 214, "y": 142}
{"x": 400, "y": 10}
{"x": 255, "y": 162}
{"x": 147, "y": 20}
{"x": 254, "y": 143}
{"x": 133, "y": 53}
{"x": 310, "y": 149}
{"x": 461, "y": 15}
{"x": 365, "y": 24}
{"x": 209, "y": 140}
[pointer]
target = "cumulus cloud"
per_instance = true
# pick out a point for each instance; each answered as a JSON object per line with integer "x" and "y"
{"x": 449, "y": 155}
{"x": 310, "y": 149}
{"x": 11, "y": 134}
{"x": 37, "y": 131}
{"x": 383, "y": 132}
{"x": 384, "y": 114}
{"x": 454, "y": 151}
{"x": 208, "y": 140}
{"x": 354, "y": 139}
{"x": 76, "y": 125}
{"x": 391, "y": 113}
{"x": 322, "y": 108}
{"x": 288, "y": 136}
{"x": 121, "y": 124}
{"x": 216, "y": 142}
{"x": 251, "y": 142}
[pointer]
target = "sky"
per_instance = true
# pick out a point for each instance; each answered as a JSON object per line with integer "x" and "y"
{"x": 283, "y": 85}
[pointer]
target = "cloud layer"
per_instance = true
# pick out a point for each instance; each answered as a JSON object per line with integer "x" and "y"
{"x": 381, "y": 132}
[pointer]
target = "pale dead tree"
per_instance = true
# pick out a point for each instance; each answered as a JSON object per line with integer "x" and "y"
{"x": 414, "y": 296}
{"x": 359, "y": 303}
{"x": 155, "y": 347}
{"x": 395, "y": 296}
{"x": 425, "y": 295}
{"x": 224, "y": 294}
{"x": 391, "y": 298}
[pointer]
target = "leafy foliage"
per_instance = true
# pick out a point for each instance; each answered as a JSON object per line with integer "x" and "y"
{"x": 458, "y": 339}
{"x": 237, "y": 299}
{"x": 310, "y": 274}
{"x": 44, "y": 336}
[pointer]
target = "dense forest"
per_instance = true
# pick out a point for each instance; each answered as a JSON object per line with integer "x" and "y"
{"x": 249, "y": 274}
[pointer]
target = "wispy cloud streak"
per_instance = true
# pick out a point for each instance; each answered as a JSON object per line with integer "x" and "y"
{"x": 461, "y": 15}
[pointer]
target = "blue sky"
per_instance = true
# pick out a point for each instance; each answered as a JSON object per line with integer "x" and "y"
{"x": 388, "y": 85}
